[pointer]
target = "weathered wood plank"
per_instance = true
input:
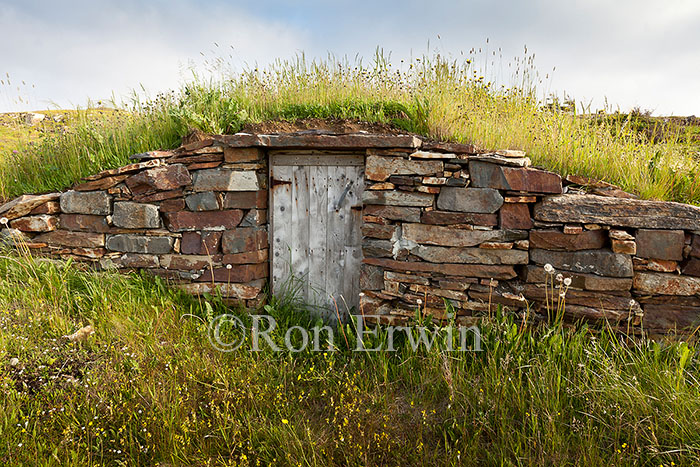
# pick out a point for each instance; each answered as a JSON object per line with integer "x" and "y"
{"x": 318, "y": 224}
{"x": 281, "y": 228}
{"x": 335, "y": 241}
{"x": 353, "y": 237}
{"x": 299, "y": 243}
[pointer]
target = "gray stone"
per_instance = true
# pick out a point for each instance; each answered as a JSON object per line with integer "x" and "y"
{"x": 479, "y": 200}
{"x": 129, "y": 243}
{"x": 205, "y": 201}
{"x": 600, "y": 262}
{"x": 397, "y": 198}
{"x": 130, "y": 215}
{"x": 225, "y": 180}
{"x": 85, "y": 202}
{"x": 380, "y": 168}
{"x": 436, "y": 254}
{"x": 447, "y": 236}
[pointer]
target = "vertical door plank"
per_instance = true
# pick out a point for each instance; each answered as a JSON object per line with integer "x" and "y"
{"x": 282, "y": 234}
{"x": 335, "y": 239}
{"x": 318, "y": 222}
{"x": 300, "y": 231}
{"x": 353, "y": 238}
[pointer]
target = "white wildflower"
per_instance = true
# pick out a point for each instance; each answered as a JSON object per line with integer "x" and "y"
{"x": 567, "y": 281}
{"x": 228, "y": 266}
{"x": 560, "y": 278}
{"x": 548, "y": 268}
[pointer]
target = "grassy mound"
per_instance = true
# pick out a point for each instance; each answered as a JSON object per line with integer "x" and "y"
{"x": 148, "y": 388}
{"x": 433, "y": 96}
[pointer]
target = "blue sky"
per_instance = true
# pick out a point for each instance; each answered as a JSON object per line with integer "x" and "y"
{"x": 628, "y": 53}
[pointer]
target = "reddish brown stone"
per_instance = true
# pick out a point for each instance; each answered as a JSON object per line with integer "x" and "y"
{"x": 160, "y": 196}
{"x": 449, "y": 218}
{"x": 692, "y": 267}
{"x": 628, "y": 247}
{"x": 515, "y": 216}
{"x": 468, "y": 270}
{"x": 671, "y": 316}
{"x": 486, "y": 175}
{"x": 50, "y": 207}
{"x": 203, "y": 165}
{"x": 84, "y": 222}
{"x": 611, "y": 300}
{"x": 666, "y": 284}
{"x": 251, "y": 257}
{"x": 41, "y": 223}
{"x": 450, "y": 236}
{"x": 398, "y": 198}
{"x": 172, "y": 205}
{"x": 537, "y": 275}
{"x": 211, "y": 241}
{"x": 600, "y": 262}
{"x": 131, "y": 168}
{"x": 660, "y": 244}
{"x": 243, "y": 240}
{"x": 237, "y": 273}
{"x": 556, "y": 240}
{"x": 24, "y": 204}
{"x": 165, "y": 178}
{"x": 242, "y": 154}
{"x": 73, "y": 239}
{"x": 191, "y": 243}
{"x": 656, "y": 265}
{"x": 220, "y": 220}
{"x": 246, "y": 199}
{"x": 395, "y": 213}
{"x": 378, "y": 231}
{"x": 100, "y": 184}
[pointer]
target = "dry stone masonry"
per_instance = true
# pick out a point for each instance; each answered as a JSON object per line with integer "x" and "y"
{"x": 442, "y": 222}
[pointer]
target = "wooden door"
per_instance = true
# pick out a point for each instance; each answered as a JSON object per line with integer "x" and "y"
{"x": 316, "y": 219}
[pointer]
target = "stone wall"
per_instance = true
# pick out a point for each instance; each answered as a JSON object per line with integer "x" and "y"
{"x": 441, "y": 221}
{"x": 196, "y": 216}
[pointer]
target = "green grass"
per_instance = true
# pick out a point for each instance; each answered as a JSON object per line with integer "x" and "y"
{"x": 432, "y": 96}
{"x": 149, "y": 389}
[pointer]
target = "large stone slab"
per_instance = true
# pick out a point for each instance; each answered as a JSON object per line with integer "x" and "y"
{"x": 466, "y": 270}
{"x": 449, "y": 218}
{"x": 129, "y": 243}
{"x": 660, "y": 244}
{"x": 86, "y": 202}
{"x": 73, "y": 239}
{"x": 692, "y": 267}
{"x": 23, "y": 205}
{"x": 591, "y": 209}
{"x": 395, "y": 213}
{"x": 380, "y": 168}
{"x": 437, "y": 254}
{"x": 130, "y": 215}
{"x": 486, "y": 175}
{"x": 668, "y": 316}
{"x": 446, "y": 236}
{"x": 164, "y": 178}
{"x": 209, "y": 220}
{"x": 479, "y": 200}
{"x": 695, "y": 247}
{"x": 398, "y": 198}
{"x": 600, "y": 262}
{"x": 610, "y": 301}
{"x": 666, "y": 284}
{"x": 226, "y": 180}
{"x": 247, "y": 291}
{"x": 558, "y": 240}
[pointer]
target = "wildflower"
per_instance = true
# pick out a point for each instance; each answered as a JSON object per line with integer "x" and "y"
{"x": 548, "y": 268}
{"x": 559, "y": 278}
{"x": 3, "y": 220}
{"x": 285, "y": 421}
{"x": 567, "y": 281}
{"x": 228, "y": 266}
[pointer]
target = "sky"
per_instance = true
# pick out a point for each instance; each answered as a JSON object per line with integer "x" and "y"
{"x": 616, "y": 53}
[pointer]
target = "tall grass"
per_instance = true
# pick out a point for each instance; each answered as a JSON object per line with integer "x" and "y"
{"x": 432, "y": 95}
{"x": 149, "y": 389}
